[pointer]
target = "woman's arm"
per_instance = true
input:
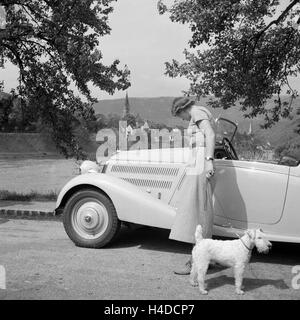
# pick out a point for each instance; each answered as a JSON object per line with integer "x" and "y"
{"x": 210, "y": 137}
{"x": 210, "y": 140}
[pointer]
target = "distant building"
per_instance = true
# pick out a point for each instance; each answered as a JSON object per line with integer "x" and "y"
{"x": 266, "y": 152}
{"x": 175, "y": 132}
{"x": 145, "y": 126}
{"x": 138, "y": 123}
{"x": 129, "y": 131}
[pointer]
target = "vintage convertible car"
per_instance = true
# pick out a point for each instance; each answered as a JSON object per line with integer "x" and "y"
{"x": 141, "y": 187}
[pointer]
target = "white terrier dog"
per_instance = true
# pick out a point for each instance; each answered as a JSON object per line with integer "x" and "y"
{"x": 229, "y": 253}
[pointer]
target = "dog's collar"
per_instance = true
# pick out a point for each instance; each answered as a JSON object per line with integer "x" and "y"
{"x": 250, "y": 249}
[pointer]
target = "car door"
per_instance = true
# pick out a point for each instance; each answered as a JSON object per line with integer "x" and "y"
{"x": 249, "y": 192}
{"x": 289, "y": 225}
{"x": 225, "y": 128}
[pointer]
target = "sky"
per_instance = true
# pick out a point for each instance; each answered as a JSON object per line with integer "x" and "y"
{"x": 143, "y": 40}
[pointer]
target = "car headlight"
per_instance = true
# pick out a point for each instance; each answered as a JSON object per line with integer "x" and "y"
{"x": 89, "y": 167}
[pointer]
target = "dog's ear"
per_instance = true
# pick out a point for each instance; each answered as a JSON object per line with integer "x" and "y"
{"x": 250, "y": 233}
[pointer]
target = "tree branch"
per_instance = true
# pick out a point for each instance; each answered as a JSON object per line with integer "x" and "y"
{"x": 276, "y": 21}
{"x": 48, "y": 51}
{"x": 280, "y": 18}
{"x": 17, "y": 56}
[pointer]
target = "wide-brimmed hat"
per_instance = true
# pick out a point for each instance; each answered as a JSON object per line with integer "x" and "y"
{"x": 180, "y": 104}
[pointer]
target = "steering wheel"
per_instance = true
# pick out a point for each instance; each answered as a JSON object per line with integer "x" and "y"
{"x": 227, "y": 145}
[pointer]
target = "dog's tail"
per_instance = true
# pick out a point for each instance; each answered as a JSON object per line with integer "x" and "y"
{"x": 198, "y": 233}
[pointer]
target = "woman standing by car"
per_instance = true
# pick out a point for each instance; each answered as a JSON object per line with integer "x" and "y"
{"x": 195, "y": 200}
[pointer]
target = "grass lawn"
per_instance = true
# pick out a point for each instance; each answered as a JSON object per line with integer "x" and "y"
{"x": 34, "y": 178}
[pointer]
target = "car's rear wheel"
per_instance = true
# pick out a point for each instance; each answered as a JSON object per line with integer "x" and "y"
{"x": 90, "y": 219}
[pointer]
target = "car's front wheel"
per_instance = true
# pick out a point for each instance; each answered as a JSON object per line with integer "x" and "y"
{"x": 90, "y": 219}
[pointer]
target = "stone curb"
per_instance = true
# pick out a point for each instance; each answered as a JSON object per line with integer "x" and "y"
{"x": 29, "y": 214}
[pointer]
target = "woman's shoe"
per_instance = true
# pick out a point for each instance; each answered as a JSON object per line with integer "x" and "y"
{"x": 186, "y": 269}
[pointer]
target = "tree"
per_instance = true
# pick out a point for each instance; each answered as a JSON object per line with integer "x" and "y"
{"x": 248, "y": 145}
{"x": 6, "y": 105}
{"x": 130, "y": 118}
{"x": 240, "y": 51}
{"x": 54, "y": 44}
{"x": 12, "y": 114}
{"x": 113, "y": 120}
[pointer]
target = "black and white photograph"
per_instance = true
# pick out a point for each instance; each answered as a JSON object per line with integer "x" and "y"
{"x": 149, "y": 152}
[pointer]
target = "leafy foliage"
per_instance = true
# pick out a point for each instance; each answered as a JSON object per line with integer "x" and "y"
{"x": 241, "y": 51}
{"x": 55, "y": 43}
{"x": 291, "y": 148}
{"x": 15, "y": 114}
{"x": 248, "y": 146}
{"x": 130, "y": 118}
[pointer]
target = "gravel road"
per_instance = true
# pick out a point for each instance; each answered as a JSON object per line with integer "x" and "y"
{"x": 42, "y": 263}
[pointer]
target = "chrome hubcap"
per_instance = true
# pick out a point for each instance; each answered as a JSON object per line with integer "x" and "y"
{"x": 89, "y": 218}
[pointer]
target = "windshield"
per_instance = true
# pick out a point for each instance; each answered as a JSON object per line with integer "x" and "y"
{"x": 225, "y": 129}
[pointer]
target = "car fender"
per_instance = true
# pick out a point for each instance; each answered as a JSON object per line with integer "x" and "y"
{"x": 131, "y": 203}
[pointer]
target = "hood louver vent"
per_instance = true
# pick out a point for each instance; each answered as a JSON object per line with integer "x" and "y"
{"x": 157, "y": 184}
{"x": 159, "y": 171}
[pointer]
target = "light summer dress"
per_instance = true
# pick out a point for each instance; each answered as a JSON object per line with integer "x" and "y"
{"x": 194, "y": 205}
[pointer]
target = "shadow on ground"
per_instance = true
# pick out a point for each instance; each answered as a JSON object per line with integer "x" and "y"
{"x": 149, "y": 238}
{"x": 158, "y": 239}
{"x": 249, "y": 284}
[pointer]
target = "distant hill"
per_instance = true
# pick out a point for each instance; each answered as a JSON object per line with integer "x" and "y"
{"x": 155, "y": 109}
{"x": 158, "y": 110}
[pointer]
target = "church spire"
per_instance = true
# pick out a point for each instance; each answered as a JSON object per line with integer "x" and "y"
{"x": 126, "y": 106}
{"x": 250, "y": 128}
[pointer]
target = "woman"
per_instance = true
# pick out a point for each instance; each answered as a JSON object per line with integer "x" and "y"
{"x": 195, "y": 206}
